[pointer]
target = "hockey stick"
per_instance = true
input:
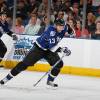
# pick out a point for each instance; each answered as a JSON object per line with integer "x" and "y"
{"x": 64, "y": 54}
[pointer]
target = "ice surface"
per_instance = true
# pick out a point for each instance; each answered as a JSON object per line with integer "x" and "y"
{"x": 70, "y": 87}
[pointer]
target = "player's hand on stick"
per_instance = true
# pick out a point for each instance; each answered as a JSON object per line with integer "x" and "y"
{"x": 64, "y": 50}
{"x": 15, "y": 38}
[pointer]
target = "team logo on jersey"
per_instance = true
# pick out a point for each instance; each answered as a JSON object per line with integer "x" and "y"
{"x": 52, "y": 33}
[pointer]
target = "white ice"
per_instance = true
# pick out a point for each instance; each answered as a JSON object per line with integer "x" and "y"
{"x": 70, "y": 87}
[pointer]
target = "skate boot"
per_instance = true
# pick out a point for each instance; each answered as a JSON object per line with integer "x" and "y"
{"x": 50, "y": 83}
{"x": 2, "y": 82}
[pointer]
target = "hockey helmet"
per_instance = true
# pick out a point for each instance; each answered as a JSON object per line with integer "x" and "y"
{"x": 60, "y": 22}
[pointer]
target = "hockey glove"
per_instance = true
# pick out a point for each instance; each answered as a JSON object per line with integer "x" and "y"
{"x": 64, "y": 50}
{"x": 15, "y": 38}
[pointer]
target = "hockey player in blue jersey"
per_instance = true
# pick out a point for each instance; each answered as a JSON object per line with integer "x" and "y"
{"x": 42, "y": 49}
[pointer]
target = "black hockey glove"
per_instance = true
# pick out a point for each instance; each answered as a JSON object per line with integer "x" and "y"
{"x": 10, "y": 33}
{"x": 15, "y": 38}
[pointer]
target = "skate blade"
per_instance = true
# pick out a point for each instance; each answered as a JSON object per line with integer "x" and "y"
{"x": 51, "y": 87}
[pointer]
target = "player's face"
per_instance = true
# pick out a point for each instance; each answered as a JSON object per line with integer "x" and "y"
{"x": 4, "y": 17}
{"x": 98, "y": 26}
{"x": 59, "y": 28}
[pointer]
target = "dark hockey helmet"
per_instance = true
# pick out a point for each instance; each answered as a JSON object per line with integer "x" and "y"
{"x": 60, "y": 22}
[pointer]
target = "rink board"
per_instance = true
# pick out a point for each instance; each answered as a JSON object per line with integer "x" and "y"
{"x": 65, "y": 70}
{"x": 84, "y": 59}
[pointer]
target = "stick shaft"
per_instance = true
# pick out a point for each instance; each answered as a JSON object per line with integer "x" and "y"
{"x": 48, "y": 71}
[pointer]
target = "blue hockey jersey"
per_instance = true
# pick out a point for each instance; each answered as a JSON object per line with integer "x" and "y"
{"x": 50, "y": 38}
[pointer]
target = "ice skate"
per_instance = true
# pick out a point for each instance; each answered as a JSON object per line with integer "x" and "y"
{"x": 6, "y": 79}
{"x": 51, "y": 85}
{"x": 2, "y": 82}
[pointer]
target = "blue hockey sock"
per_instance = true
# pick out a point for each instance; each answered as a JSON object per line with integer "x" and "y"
{"x": 51, "y": 77}
{"x": 9, "y": 76}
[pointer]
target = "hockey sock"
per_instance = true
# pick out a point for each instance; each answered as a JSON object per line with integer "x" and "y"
{"x": 51, "y": 77}
{"x": 9, "y": 76}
